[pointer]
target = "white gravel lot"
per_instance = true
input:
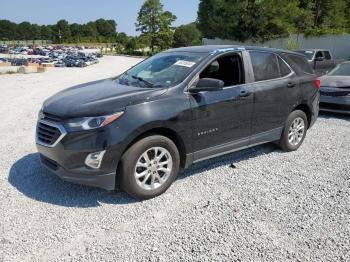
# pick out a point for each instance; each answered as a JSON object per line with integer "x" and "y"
{"x": 273, "y": 206}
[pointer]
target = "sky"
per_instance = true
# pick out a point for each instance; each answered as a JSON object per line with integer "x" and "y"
{"x": 124, "y": 12}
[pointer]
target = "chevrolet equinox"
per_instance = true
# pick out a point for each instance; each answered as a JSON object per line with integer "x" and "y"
{"x": 179, "y": 107}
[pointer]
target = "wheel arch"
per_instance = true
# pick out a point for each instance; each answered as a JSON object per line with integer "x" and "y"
{"x": 167, "y": 132}
{"x": 307, "y": 110}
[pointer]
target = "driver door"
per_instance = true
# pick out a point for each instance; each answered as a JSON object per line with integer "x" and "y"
{"x": 222, "y": 119}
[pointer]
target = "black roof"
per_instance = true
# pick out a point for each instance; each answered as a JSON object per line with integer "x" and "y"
{"x": 223, "y": 48}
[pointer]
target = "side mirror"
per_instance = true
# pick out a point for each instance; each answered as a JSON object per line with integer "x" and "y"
{"x": 208, "y": 84}
{"x": 319, "y": 59}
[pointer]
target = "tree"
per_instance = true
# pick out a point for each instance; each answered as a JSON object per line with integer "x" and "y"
{"x": 131, "y": 44}
{"x": 106, "y": 29}
{"x": 121, "y": 38}
{"x": 262, "y": 20}
{"x": 328, "y": 16}
{"x": 154, "y": 23}
{"x": 90, "y": 32}
{"x": 76, "y": 32}
{"x": 236, "y": 20}
{"x": 62, "y": 31}
{"x": 45, "y": 32}
{"x": 187, "y": 35}
{"x": 8, "y": 30}
{"x": 100, "y": 30}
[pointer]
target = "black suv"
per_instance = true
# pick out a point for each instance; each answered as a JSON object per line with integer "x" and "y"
{"x": 176, "y": 108}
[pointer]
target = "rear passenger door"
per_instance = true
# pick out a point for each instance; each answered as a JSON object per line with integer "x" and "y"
{"x": 275, "y": 93}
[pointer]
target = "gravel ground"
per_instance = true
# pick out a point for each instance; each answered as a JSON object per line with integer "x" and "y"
{"x": 273, "y": 206}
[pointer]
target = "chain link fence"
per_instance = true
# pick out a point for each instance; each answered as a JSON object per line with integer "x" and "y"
{"x": 338, "y": 44}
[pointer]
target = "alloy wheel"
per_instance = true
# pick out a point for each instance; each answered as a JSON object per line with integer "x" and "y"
{"x": 296, "y": 131}
{"x": 153, "y": 168}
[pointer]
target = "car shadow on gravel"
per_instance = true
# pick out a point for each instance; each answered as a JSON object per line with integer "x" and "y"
{"x": 232, "y": 160}
{"x": 34, "y": 181}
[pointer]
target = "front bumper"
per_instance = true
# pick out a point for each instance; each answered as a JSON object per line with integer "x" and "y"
{"x": 104, "y": 181}
{"x": 335, "y": 104}
{"x": 66, "y": 157}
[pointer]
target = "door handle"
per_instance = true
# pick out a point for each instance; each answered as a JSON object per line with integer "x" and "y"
{"x": 244, "y": 93}
{"x": 290, "y": 85}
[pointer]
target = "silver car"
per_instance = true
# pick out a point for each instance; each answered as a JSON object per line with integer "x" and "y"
{"x": 335, "y": 89}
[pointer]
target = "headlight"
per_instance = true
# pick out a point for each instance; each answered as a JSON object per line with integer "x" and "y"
{"x": 88, "y": 123}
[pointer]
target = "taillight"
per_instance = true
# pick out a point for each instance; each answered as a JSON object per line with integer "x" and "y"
{"x": 317, "y": 83}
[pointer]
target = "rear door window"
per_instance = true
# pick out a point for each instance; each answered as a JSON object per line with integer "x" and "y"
{"x": 327, "y": 55}
{"x": 265, "y": 65}
{"x": 319, "y": 54}
{"x": 284, "y": 69}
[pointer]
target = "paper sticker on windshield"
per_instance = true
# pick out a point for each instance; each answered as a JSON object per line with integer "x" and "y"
{"x": 309, "y": 52}
{"x": 185, "y": 63}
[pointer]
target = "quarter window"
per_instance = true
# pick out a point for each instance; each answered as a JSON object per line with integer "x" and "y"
{"x": 299, "y": 63}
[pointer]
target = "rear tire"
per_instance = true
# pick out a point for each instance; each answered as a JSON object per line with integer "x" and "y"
{"x": 294, "y": 131}
{"x": 149, "y": 167}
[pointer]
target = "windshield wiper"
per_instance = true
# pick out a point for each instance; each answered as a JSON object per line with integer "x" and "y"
{"x": 143, "y": 80}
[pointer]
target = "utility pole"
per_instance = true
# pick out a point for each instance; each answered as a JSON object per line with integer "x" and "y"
{"x": 60, "y": 35}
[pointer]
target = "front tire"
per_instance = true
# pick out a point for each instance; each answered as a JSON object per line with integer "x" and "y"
{"x": 149, "y": 167}
{"x": 294, "y": 131}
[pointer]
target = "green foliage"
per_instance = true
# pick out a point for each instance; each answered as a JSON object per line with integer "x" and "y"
{"x": 155, "y": 24}
{"x": 99, "y": 31}
{"x": 121, "y": 39}
{"x": 329, "y": 17}
{"x": 262, "y": 20}
{"x": 292, "y": 44}
{"x": 187, "y": 35}
{"x": 7, "y": 30}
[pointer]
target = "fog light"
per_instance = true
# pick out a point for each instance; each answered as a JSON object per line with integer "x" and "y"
{"x": 94, "y": 160}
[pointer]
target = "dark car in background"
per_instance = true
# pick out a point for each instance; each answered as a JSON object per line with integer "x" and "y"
{"x": 3, "y": 49}
{"x": 60, "y": 64}
{"x": 19, "y": 62}
{"x": 174, "y": 109}
{"x": 335, "y": 89}
{"x": 321, "y": 60}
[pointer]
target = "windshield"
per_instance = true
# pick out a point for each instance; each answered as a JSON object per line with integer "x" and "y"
{"x": 341, "y": 70}
{"x": 163, "y": 70}
{"x": 309, "y": 54}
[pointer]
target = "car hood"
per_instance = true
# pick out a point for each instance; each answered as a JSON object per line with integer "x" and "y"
{"x": 97, "y": 98}
{"x": 335, "y": 81}
{"x": 335, "y": 85}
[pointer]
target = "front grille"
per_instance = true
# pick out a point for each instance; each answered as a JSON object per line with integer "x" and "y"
{"x": 48, "y": 134}
{"x": 50, "y": 117}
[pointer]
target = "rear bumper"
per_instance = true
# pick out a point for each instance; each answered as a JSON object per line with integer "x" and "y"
{"x": 80, "y": 176}
{"x": 315, "y": 107}
{"x": 335, "y": 104}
